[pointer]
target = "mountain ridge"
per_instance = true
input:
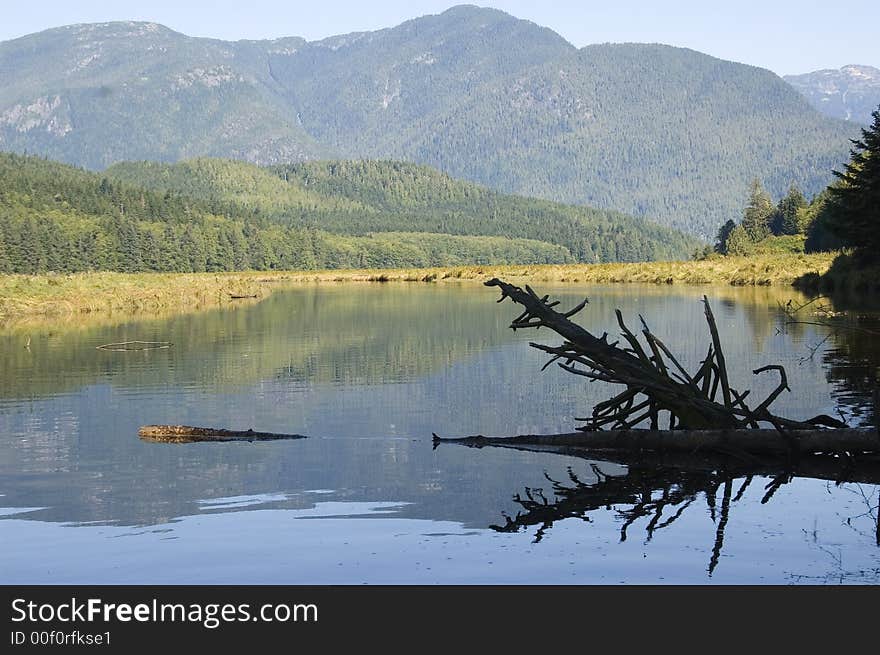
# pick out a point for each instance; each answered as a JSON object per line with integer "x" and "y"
{"x": 475, "y": 92}
{"x": 851, "y": 92}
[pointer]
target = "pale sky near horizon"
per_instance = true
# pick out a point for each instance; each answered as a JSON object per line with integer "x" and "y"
{"x": 786, "y": 36}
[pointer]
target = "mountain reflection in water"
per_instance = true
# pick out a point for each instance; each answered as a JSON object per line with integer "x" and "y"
{"x": 369, "y": 372}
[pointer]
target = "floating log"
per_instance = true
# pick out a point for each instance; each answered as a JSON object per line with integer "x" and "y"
{"x": 189, "y": 434}
{"x": 237, "y": 297}
{"x": 734, "y": 441}
{"x": 131, "y": 346}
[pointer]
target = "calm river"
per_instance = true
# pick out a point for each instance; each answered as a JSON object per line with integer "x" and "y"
{"x": 369, "y": 371}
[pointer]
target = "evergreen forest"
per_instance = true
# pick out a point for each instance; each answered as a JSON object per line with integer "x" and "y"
{"x": 219, "y": 215}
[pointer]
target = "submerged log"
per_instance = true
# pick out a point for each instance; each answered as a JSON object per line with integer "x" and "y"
{"x": 189, "y": 434}
{"x": 734, "y": 441}
{"x": 718, "y": 452}
{"x": 131, "y": 346}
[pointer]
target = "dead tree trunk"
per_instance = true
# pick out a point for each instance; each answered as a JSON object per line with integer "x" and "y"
{"x": 735, "y": 442}
{"x": 653, "y": 378}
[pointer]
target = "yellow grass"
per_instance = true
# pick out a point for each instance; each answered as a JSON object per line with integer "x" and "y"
{"x": 66, "y": 296}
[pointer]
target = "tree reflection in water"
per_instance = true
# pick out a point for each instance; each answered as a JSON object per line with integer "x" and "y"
{"x": 853, "y": 368}
{"x": 660, "y": 488}
{"x": 850, "y": 349}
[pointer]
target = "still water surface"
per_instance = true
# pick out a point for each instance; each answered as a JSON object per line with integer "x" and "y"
{"x": 369, "y": 372}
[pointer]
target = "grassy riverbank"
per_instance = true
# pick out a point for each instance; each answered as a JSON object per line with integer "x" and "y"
{"x": 70, "y": 295}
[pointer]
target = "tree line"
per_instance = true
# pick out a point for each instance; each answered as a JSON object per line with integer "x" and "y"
{"x": 56, "y": 218}
{"x": 220, "y": 215}
{"x": 846, "y": 214}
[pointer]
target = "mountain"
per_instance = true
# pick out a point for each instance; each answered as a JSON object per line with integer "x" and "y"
{"x": 850, "y": 93}
{"x": 216, "y": 215}
{"x": 649, "y": 130}
{"x": 357, "y": 198}
{"x": 93, "y": 95}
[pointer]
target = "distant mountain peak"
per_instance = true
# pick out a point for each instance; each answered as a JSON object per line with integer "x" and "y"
{"x": 862, "y": 76}
{"x": 851, "y": 92}
{"x": 118, "y": 29}
{"x": 857, "y": 70}
{"x": 475, "y": 10}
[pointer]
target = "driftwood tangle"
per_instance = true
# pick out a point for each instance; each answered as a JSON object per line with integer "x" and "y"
{"x": 703, "y": 410}
{"x": 189, "y": 434}
{"x": 650, "y": 371}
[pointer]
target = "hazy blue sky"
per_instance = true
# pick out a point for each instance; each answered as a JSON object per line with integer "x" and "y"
{"x": 786, "y": 37}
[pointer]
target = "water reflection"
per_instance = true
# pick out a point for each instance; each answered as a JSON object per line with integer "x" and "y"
{"x": 853, "y": 368}
{"x": 658, "y": 488}
{"x": 370, "y": 371}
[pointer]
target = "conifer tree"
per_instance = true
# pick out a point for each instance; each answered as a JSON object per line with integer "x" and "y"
{"x": 151, "y": 255}
{"x": 785, "y": 218}
{"x": 192, "y": 248}
{"x": 756, "y": 217}
{"x": 855, "y": 198}
{"x": 723, "y": 235}
{"x": 32, "y": 258}
{"x": 130, "y": 256}
{"x": 5, "y": 262}
{"x": 172, "y": 257}
{"x": 739, "y": 242}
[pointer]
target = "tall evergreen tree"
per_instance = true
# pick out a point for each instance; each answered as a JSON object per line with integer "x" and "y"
{"x": 220, "y": 258}
{"x": 723, "y": 235}
{"x": 85, "y": 246}
{"x": 855, "y": 198}
{"x": 32, "y": 258}
{"x": 150, "y": 251}
{"x": 192, "y": 246}
{"x": 172, "y": 257}
{"x": 739, "y": 242}
{"x": 130, "y": 255}
{"x": 5, "y": 261}
{"x": 756, "y": 217}
{"x": 785, "y": 218}
{"x": 59, "y": 255}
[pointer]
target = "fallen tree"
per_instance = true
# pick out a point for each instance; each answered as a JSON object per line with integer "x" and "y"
{"x": 703, "y": 411}
{"x": 714, "y": 437}
{"x": 732, "y": 441}
{"x": 855, "y": 464}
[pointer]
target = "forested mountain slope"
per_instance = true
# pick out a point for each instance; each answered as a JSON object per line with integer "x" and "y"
{"x": 650, "y": 130}
{"x": 357, "y": 197}
{"x": 216, "y": 215}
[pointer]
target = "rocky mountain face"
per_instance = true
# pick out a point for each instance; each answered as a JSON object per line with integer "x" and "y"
{"x": 650, "y": 130}
{"x": 850, "y": 93}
